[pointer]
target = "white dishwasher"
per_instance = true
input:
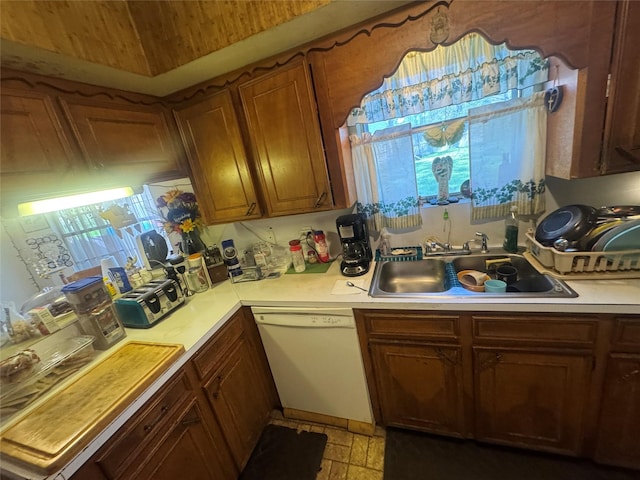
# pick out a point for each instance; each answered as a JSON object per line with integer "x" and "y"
{"x": 315, "y": 358}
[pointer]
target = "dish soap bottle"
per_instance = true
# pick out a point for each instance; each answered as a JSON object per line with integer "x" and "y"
{"x": 511, "y": 231}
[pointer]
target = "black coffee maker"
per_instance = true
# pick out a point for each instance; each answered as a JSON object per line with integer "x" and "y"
{"x": 354, "y": 239}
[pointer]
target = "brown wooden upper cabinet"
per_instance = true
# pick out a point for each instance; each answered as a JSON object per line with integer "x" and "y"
{"x": 36, "y": 152}
{"x": 285, "y": 136}
{"x": 129, "y": 143}
{"x": 622, "y": 133}
{"x": 218, "y": 159}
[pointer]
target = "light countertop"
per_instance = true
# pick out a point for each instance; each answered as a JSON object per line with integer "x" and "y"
{"x": 203, "y": 314}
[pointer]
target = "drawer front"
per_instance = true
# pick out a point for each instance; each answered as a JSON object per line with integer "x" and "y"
{"x": 412, "y": 324}
{"x": 139, "y": 431}
{"x": 626, "y": 333}
{"x": 206, "y": 358}
{"x": 564, "y": 330}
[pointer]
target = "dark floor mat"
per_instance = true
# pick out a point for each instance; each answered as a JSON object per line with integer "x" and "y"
{"x": 284, "y": 454}
{"x": 417, "y": 456}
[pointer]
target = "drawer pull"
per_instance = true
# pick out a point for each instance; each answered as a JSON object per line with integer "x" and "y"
{"x": 320, "y": 199}
{"x": 163, "y": 412}
{"x": 252, "y": 207}
{"x": 216, "y": 389}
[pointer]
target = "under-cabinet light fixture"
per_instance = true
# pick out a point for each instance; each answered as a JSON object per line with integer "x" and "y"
{"x": 71, "y": 201}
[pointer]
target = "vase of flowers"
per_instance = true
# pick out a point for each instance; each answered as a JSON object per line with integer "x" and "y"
{"x": 181, "y": 215}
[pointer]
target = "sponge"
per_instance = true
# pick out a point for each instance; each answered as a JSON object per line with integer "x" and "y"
{"x": 496, "y": 262}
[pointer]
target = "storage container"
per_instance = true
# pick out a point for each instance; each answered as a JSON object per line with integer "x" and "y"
{"x": 86, "y": 294}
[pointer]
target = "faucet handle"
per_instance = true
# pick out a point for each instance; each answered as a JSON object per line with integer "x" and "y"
{"x": 483, "y": 236}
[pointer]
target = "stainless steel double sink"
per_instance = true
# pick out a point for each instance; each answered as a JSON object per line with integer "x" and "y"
{"x": 433, "y": 277}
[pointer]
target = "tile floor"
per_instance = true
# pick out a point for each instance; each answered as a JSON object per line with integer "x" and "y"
{"x": 347, "y": 456}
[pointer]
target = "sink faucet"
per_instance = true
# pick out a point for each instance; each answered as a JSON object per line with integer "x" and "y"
{"x": 483, "y": 236}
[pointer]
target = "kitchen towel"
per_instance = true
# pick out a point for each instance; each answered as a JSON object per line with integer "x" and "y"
{"x": 285, "y": 454}
{"x": 416, "y": 456}
{"x": 341, "y": 287}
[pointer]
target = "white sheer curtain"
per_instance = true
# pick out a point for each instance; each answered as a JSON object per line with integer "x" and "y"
{"x": 468, "y": 70}
{"x": 385, "y": 174}
{"x": 507, "y": 145}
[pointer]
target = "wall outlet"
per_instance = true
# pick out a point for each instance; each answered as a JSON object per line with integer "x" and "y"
{"x": 271, "y": 235}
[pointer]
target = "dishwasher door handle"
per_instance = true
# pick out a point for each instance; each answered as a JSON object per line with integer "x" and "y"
{"x": 306, "y": 321}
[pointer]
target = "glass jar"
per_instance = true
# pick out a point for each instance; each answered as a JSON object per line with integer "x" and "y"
{"x": 297, "y": 257}
{"x": 321, "y": 246}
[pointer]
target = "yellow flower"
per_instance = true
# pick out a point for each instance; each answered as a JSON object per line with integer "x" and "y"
{"x": 171, "y": 195}
{"x": 187, "y": 226}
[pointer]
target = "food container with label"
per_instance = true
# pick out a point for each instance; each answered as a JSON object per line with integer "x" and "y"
{"x": 86, "y": 294}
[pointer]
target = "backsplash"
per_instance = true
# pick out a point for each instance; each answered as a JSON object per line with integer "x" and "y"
{"x": 16, "y": 283}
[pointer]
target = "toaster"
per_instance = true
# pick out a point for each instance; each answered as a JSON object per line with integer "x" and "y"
{"x": 146, "y": 305}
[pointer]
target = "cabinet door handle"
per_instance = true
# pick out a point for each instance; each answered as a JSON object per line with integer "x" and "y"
{"x": 629, "y": 376}
{"x": 218, "y": 386}
{"x": 190, "y": 421}
{"x": 163, "y": 412}
{"x": 446, "y": 358}
{"x": 252, "y": 207}
{"x": 320, "y": 199}
{"x": 628, "y": 154}
{"x": 491, "y": 361}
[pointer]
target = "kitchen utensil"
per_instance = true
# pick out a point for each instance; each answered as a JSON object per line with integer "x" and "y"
{"x": 589, "y": 240}
{"x": 622, "y": 237}
{"x": 351, "y": 284}
{"x": 507, "y": 273}
{"x": 474, "y": 277}
{"x": 479, "y": 287}
{"x": 561, "y": 244}
{"x": 571, "y": 222}
{"x": 495, "y": 286}
{"x": 619, "y": 211}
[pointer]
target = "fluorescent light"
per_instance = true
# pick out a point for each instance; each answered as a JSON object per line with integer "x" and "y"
{"x": 61, "y": 203}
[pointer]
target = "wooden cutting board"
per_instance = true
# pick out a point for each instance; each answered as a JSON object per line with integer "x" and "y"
{"x": 51, "y": 435}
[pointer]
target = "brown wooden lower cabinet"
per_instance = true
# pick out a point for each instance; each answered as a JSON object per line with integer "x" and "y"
{"x": 204, "y": 423}
{"x": 237, "y": 382}
{"x": 172, "y": 434}
{"x": 420, "y": 386}
{"x": 531, "y": 398}
{"x": 529, "y": 380}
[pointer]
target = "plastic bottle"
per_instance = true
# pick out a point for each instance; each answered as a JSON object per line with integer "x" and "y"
{"x": 511, "y": 231}
{"x": 321, "y": 246}
{"x": 297, "y": 256}
{"x": 230, "y": 256}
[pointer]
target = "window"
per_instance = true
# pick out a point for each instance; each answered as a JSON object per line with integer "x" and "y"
{"x": 432, "y": 95}
{"x": 89, "y": 237}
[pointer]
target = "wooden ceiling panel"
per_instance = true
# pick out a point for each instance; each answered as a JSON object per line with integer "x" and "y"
{"x": 176, "y": 33}
{"x": 144, "y": 37}
{"x": 98, "y": 32}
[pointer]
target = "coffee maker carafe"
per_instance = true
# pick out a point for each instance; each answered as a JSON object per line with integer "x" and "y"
{"x": 354, "y": 239}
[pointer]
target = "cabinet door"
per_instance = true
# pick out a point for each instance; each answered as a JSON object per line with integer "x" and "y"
{"x": 239, "y": 400}
{"x": 130, "y": 144}
{"x": 622, "y": 137}
{"x": 35, "y": 153}
{"x": 420, "y": 386}
{"x": 620, "y": 413}
{"x": 218, "y": 159}
{"x": 285, "y": 133}
{"x": 531, "y": 399}
{"x": 187, "y": 451}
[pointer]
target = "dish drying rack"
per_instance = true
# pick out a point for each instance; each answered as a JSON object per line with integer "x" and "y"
{"x": 582, "y": 265}
{"x": 403, "y": 254}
